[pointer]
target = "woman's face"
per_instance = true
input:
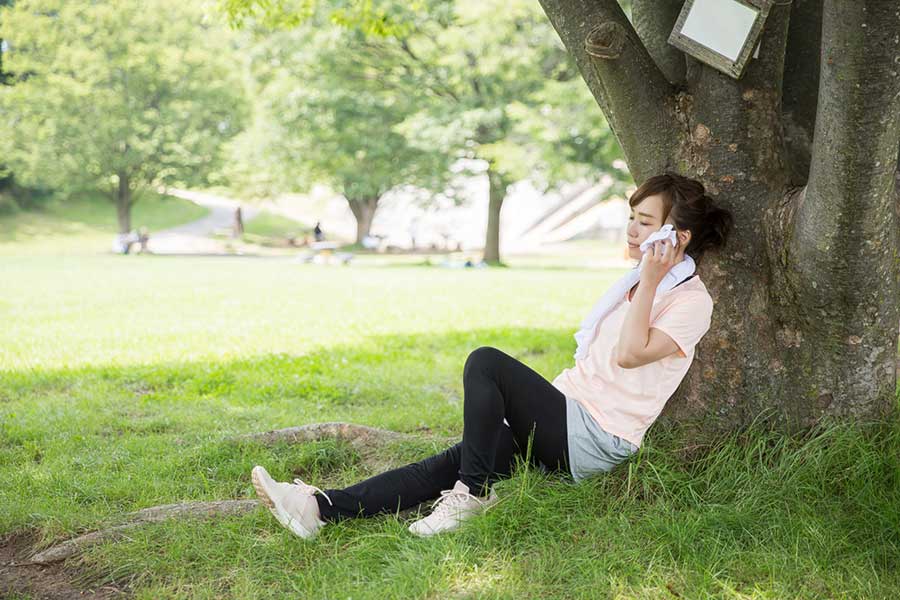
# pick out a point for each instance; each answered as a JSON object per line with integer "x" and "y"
{"x": 645, "y": 218}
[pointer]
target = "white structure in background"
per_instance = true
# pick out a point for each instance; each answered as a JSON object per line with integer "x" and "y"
{"x": 399, "y": 218}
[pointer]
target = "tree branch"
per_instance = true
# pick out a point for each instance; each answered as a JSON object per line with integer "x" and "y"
{"x": 445, "y": 89}
{"x": 847, "y": 222}
{"x": 654, "y": 21}
{"x": 431, "y": 80}
{"x": 801, "y": 85}
{"x": 630, "y": 89}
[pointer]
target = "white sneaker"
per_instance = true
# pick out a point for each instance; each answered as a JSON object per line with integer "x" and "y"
{"x": 293, "y": 504}
{"x": 451, "y": 509}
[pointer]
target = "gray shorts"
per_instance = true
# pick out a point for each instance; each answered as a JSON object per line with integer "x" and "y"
{"x": 592, "y": 449}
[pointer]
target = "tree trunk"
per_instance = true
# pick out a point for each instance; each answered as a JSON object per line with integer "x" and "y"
{"x": 123, "y": 204}
{"x": 496, "y": 195}
{"x": 806, "y": 292}
{"x": 364, "y": 211}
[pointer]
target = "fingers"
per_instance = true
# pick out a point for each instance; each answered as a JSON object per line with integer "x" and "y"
{"x": 659, "y": 250}
{"x": 668, "y": 251}
{"x": 663, "y": 251}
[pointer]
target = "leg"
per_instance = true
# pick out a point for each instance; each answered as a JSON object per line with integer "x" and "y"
{"x": 407, "y": 486}
{"x": 498, "y": 386}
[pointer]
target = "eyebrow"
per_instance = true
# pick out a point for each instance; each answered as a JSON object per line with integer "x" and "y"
{"x": 645, "y": 214}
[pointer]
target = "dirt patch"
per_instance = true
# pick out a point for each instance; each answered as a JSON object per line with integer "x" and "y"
{"x": 51, "y": 582}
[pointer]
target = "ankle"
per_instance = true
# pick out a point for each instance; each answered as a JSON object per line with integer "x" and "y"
{"x": 318, "y": 507}
{"x": 481, "y": 493}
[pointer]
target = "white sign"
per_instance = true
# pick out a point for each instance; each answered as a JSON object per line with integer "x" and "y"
{"x": 720, "y": 25}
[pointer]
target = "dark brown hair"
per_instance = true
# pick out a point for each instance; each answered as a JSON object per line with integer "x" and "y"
{"x": 686, "y": 200}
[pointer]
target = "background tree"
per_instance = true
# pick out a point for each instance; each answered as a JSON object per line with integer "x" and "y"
{"x": 490, "y": 72}
{"x": 120, "y": 96}
{"x": 330, "y": 119}
{"x": 502, "y": 87}
{"x": 803, "y": 150}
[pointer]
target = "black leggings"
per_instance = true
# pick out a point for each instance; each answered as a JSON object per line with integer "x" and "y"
{"x": 496, "y": 386}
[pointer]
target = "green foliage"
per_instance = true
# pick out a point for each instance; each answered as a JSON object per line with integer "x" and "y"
{"x": 372, "y": 17}
{"x": 492, "y": 77}
{"x": 323, "y": 116}
{"x": 105, "y": 90}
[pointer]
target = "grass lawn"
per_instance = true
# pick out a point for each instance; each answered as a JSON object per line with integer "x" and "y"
{"x": 123, "y": 380}
{"x": 87, "y": 225}
{"x": 266, "y": 224}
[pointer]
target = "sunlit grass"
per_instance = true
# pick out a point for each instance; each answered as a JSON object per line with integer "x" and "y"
{"x": 87, "y": 224}
{"x": 266, "y": 224}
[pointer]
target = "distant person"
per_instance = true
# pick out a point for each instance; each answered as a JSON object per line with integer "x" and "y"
{"x": 370, "y": 242}
{"x": 318, "y": 232}
{"x": 238, "y": 229}
{"x": 413, "y": 230}
{"x": 590, "y": 418}
{"x": 143, "y": 238}
{"x": 124, "y": 241}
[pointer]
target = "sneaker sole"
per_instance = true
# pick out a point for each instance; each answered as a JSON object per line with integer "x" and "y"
{"x": 280, "y": 515}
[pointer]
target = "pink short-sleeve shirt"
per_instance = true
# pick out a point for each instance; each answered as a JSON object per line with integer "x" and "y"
{"x": 625, "y": 402}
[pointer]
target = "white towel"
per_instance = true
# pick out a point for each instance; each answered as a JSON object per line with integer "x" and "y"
{"x": 616, "y": 293}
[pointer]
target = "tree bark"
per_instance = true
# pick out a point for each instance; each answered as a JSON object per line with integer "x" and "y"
{"x": 841, "y": 265}
{"x": 654, "y": 21}
{"x": 123, "y": 203}
{"x": 801, "y": 85}
{"x": 364, "y": 211}
{"x": 496, "y": 194}
{"x": 806, "y": 292}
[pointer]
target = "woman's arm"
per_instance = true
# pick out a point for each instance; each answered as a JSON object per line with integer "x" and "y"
{"x": 639, "y": 344}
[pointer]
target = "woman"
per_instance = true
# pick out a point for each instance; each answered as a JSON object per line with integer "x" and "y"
{"x": 633, "y": 351}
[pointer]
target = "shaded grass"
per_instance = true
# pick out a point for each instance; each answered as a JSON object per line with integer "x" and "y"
{"x": 109, "y": 406}
{"x": 729, "y": 525}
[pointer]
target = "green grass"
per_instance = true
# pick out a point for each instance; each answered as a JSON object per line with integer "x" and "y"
{"x": 87, "y": 224}
{"x": 112, "y": 402}
{"x": 266, "y": 224}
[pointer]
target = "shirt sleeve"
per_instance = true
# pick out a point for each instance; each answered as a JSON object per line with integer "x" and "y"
{"x": 686, "y": 321}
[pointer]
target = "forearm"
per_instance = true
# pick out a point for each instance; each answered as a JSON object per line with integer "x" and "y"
{"x": 635, "y": 333}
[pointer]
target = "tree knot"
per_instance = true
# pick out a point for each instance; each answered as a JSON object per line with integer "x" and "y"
{"x": 606, "y": 40}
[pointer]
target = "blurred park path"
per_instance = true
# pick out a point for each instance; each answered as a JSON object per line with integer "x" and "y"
{"x": 196, "y": 237}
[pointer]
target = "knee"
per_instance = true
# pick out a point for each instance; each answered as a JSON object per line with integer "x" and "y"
{"x": 483, "y": 357}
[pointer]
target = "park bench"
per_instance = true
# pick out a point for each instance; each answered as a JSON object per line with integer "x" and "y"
{"x": 326, "y": 250}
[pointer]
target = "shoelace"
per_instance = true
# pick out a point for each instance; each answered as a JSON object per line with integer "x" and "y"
{"x": 450, "y": 498}
{"x": 307, "y": 487}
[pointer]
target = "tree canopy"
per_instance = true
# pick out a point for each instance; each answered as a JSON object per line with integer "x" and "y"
{"x": 116, "y": 95}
